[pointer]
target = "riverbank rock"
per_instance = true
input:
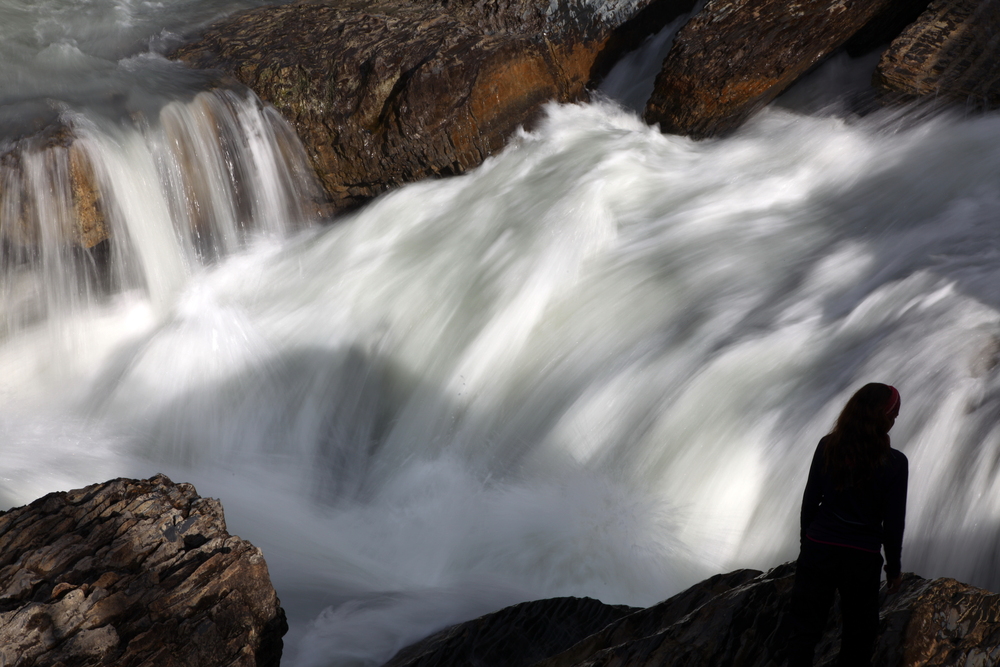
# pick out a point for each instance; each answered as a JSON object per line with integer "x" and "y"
{"x": 386, "y": 92}
{"x": 951, "y": 53}
{"x": 133, "y": 572}
{"x": 735, "y": 56}
{"x": 739, "y": 620}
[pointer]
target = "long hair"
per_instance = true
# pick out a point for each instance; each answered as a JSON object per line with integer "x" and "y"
{"x": 858, "y": 445}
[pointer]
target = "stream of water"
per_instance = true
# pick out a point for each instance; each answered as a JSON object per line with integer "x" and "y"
{"x": 597, "y": 365}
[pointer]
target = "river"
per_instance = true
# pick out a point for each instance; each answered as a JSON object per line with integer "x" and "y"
{"x": 597, "y": 365}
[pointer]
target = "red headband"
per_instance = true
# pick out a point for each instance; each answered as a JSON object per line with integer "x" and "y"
{"x": 893, "y": 401}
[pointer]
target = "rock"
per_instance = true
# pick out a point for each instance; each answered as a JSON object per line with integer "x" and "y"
{"x": 740, "y": 620}
{"x": 950, "y": 53}
{"x": 386, "y": 92}
{"x": 735, "y": 56}
{"x": 133, "y": 572}
{"x": 73, "y": 196}
{"x": 513, "y": 637}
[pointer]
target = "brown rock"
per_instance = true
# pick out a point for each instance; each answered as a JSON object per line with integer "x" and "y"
{"x": 73, "y": 195}
{"x": 388, "y": 92}
{"x": 952, "y": 52}
{"x": 737, "y": 55}
{"x": 133, "y": 572}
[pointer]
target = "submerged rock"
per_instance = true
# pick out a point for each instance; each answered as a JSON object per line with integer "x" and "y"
{"x": 950, "y": 53}
{"x": 133, "y": 572}
{"x": 735, "y": 56}
{"x": 386, "y": 92}
{"x": 739, "y": 620}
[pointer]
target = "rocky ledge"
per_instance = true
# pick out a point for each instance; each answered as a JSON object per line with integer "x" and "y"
{"x": 133, "y": 572}
{"x": 737, "y": 619}
{"x": 386, "y": 92}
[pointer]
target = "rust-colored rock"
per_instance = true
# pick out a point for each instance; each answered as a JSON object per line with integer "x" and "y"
{"x": 737, "y": 619}
{"x": 737, "y": 55}
{"x": 389, "y": 92}
{"x": 951, "y": 53}
{"x": 130, "y": 573}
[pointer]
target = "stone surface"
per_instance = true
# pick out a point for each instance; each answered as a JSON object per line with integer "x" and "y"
{"x": 952, "y": 52}
{"x": 516, "y": 636}
{"x": 385, "y": 92}
{"x": 737, "y": 55}
{"x": 738, "y": 620}
{"x": 131, "y": 573}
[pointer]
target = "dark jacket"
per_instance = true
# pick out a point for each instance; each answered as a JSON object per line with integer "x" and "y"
{"x": 862, "y": 516}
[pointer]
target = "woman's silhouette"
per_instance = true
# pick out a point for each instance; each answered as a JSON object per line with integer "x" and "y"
{"x": 854, "y": 504}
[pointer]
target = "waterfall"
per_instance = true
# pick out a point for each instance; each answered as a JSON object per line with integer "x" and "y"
{"x": 596, "y": 365}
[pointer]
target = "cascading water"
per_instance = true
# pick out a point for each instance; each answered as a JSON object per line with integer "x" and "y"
{"x": 597, "y": 365}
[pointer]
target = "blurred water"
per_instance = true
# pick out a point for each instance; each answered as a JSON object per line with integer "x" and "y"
{"x": 597, "y": 365}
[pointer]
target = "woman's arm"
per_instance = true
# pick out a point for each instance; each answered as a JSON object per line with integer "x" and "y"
{"x": 895, "y": 517}
{"x": 814, "y": 492}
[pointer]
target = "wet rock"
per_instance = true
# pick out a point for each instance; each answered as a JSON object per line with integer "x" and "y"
{"x": 385, "y": 92}
{"x": 59, "y": 174}
{"x": 735, "y": 56}
{"x": 133, "y": 572}
{"x": 951, "y": 52}
{"x": 740, "y": 619}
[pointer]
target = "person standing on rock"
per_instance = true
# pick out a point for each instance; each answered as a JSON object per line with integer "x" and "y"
{"x": 854, "y": 504}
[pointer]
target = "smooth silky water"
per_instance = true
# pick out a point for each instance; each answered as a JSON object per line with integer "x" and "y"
{"x": 596, "y": 366}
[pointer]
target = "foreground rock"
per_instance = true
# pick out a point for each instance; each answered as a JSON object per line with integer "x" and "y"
{"x": 133, "y": 572}
{"x": 739, "y": 620}
{"x": 385, "y": 92}
{"x": 950, "y": 53}
{"x": 735, "y": 56}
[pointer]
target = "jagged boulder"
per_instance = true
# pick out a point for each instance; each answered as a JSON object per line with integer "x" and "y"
{"x": 739, "y": 620}
{"x": 133, "y": 572}
{"x": 385, "y": 92}
{"x": 735, "y": 56}
{"x": 951, "y": 53}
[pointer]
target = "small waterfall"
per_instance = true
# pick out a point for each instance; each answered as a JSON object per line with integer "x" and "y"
{"x": 95, "y": 207}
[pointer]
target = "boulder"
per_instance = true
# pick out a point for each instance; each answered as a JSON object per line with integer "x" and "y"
{"x": 951, "y": 53}
{"x": 133, "y": 572}
{"x": 735, "y": 56}
{"x": 740, "y": 620}
{"x": 386, "y": 92}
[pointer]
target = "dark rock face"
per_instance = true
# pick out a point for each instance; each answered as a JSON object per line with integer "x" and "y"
{"x": 740, "y": 620}
{"x": 951, "y": 53}
{"x": 130, "y": 573}
{"x": 385, "y": 92}
{"x": 520, "y": 635}
{"x": 737, "y": 55}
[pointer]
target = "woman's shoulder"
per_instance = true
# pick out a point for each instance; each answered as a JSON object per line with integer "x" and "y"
{"x": 898, "y": 461}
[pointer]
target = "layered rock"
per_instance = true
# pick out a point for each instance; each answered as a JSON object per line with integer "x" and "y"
{"x": 951, "y": 53}
{"x": 385, "y": 92}
{"x": 737, "y": 55}
{"x": 741, "y": 620}
{"x": 133, "y": 572}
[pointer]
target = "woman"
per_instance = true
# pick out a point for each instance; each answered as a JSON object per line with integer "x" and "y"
{"x": 854, "y": 504}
